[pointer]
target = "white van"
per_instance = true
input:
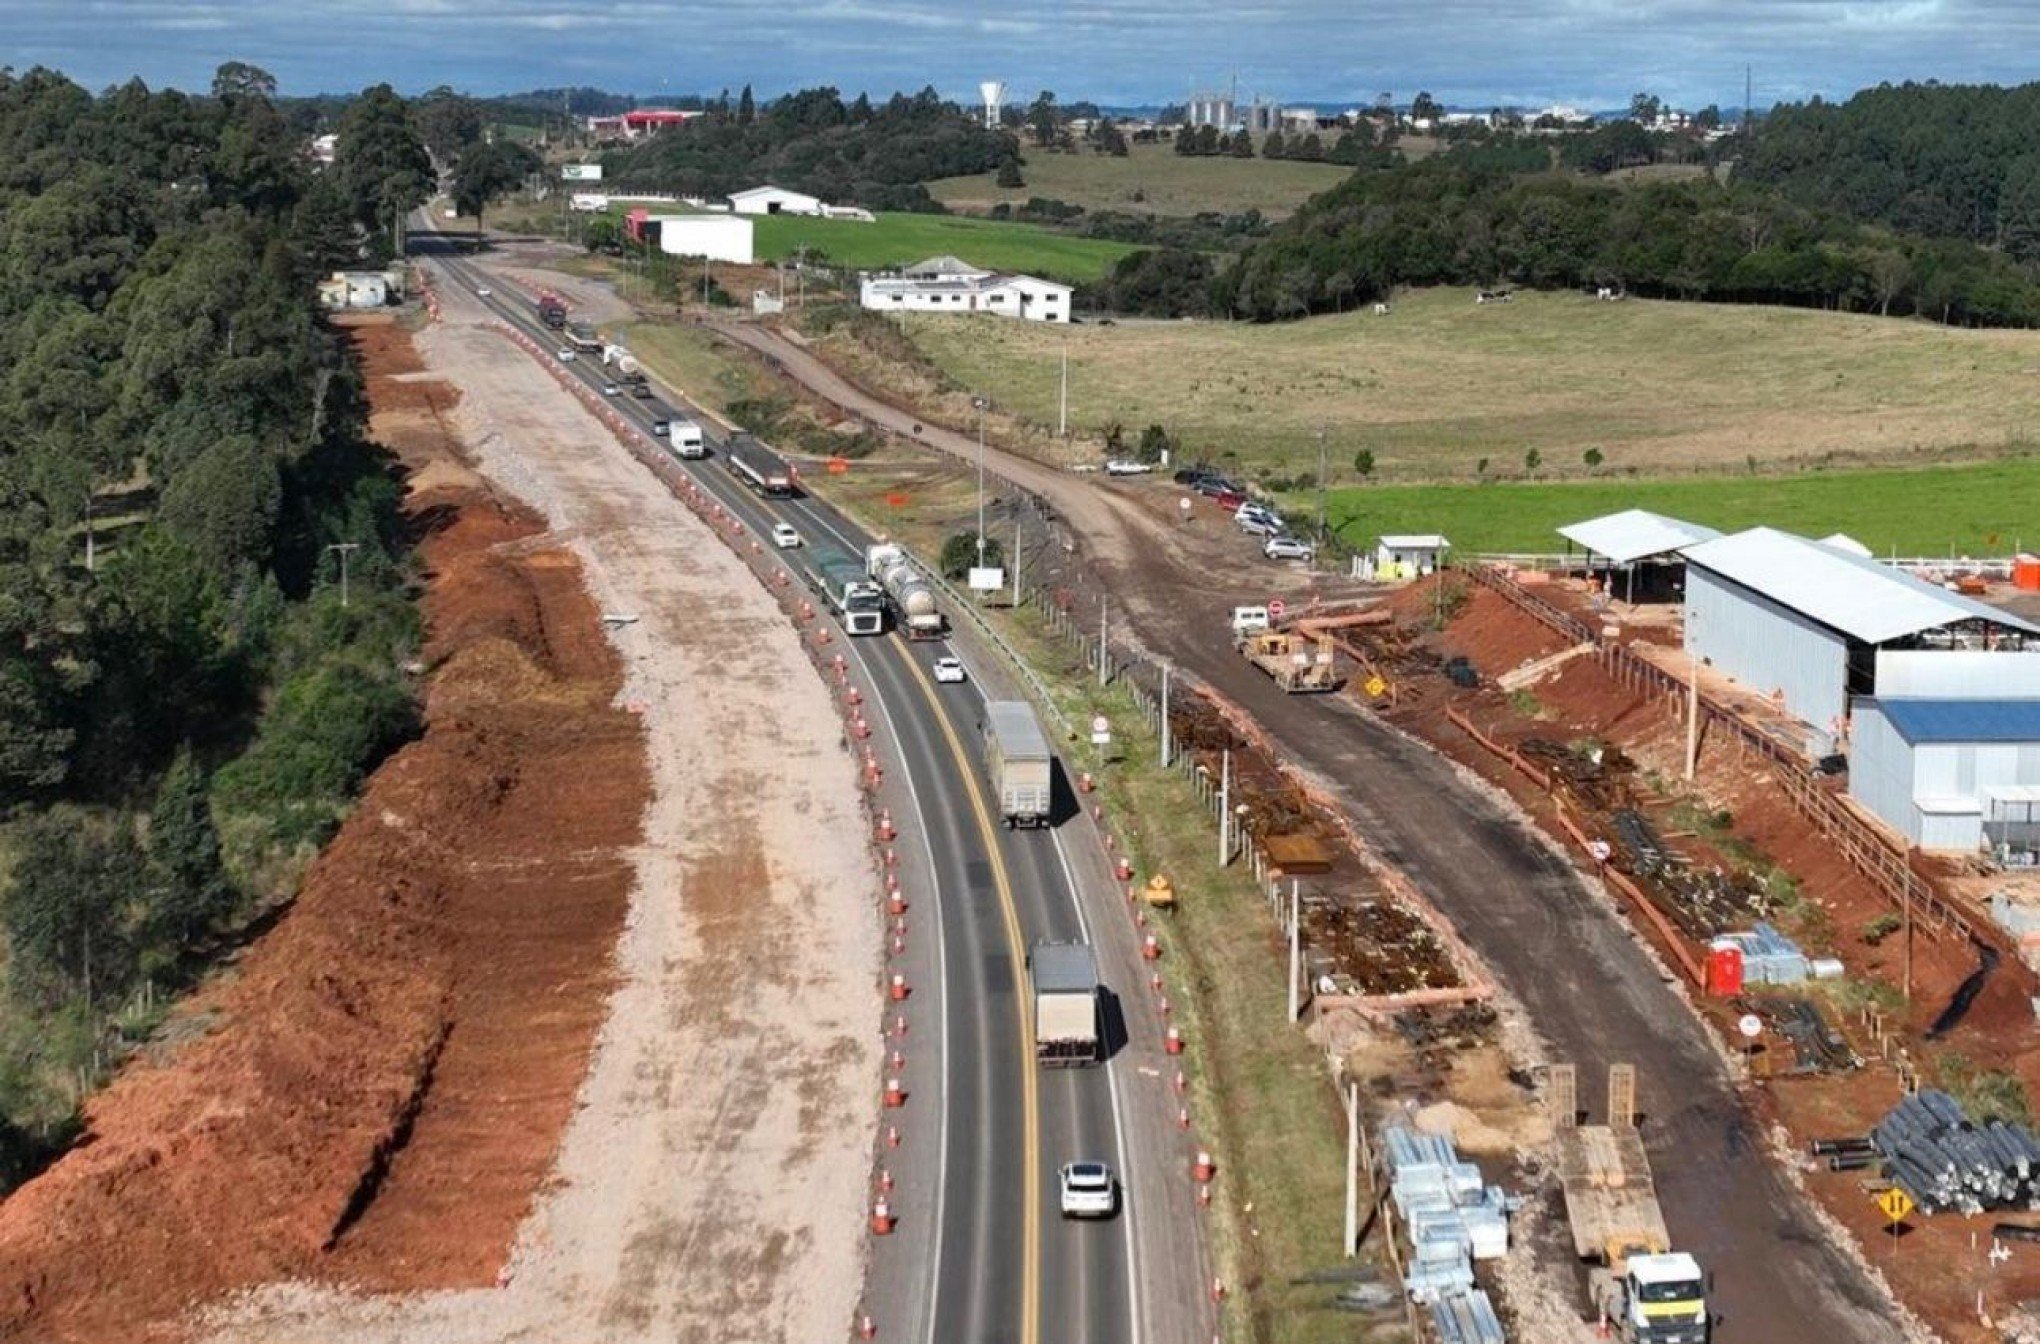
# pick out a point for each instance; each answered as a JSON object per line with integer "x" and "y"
{"x": 686, "y": 438}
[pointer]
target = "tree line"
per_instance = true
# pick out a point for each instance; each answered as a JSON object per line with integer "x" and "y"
{"x": 186, "y": 701}
{"x": 873, "y": 155}
{"x": 1447, "y": 222}
{"x": 1945, "y": 161}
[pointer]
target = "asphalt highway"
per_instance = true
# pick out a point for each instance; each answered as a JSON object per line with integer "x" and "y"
{"x": 991, "y": 1260}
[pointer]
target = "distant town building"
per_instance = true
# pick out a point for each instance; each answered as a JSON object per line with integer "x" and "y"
{"x": 642, "y": 122}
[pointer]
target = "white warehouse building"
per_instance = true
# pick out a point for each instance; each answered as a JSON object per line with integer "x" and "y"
{"x": 1810, "y": 625}
{"x": 1952, "y": 774}
{"x": 716, "y": 237}
{"x": 771, "y": 200}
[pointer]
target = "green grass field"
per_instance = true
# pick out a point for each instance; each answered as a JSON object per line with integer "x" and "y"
{"x": 1982, "y": 509}
{"x": 1441, "y": 384}
{"x": 1151, "y": 179}
{"x": 897, "y": 239}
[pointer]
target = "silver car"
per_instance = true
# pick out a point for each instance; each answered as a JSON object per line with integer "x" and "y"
{"x": 1287, "y": 548}
{"x": 1088, "y": 1190}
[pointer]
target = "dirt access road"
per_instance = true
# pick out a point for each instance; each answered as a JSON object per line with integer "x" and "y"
{"x": 1553, "y": 943}
{"x": 711, "y": 1185}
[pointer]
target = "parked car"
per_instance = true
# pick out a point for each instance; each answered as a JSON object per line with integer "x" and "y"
{"x": 1121, "y": 466}
{"x": 949, "y": 668}
{"x": 1191, "y": 475}
{"x": 1257, "y": 525}
{"x": 1287, "y": 548}
{"x": 1229, "y": 500}
{"x": 1088, "y": 1190}
{"x": 1216, "y": 486}
{"x": 1261, "y": 513}
{"x": 784, "y": 536}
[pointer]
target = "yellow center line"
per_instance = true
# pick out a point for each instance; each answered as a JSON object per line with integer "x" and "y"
{"x": 1016, "y": 950}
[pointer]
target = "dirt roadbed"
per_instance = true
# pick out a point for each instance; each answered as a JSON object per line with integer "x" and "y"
{"x": 711, "y": 1185}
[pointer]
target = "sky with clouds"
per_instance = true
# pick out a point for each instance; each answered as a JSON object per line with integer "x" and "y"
{"x": 1465, "y": 52}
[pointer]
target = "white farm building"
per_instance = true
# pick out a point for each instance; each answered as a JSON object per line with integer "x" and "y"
{"x": 771, "y": 200}
{"x": 947, "y": 285}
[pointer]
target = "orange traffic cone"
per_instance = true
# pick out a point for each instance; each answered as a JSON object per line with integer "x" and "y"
{"x": 881, "y": 1219}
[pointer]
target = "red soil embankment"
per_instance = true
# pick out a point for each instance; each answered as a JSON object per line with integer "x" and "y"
{"x": 377, "y": 1091}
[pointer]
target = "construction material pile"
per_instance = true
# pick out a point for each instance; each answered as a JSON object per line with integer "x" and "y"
{"x": 1453, "y": 1217}
{"x": 1945, "y": 1163}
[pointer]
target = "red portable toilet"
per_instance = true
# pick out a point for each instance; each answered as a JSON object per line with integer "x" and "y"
{"x": 1724, "y": 971}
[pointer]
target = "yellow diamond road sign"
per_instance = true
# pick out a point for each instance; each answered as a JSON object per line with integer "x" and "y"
{"x": 1375, "y": 686}
{"x": 1896, "y": 1204}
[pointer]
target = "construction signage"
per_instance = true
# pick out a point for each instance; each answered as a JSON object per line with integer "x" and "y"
{"x": 1895, "y": 1203}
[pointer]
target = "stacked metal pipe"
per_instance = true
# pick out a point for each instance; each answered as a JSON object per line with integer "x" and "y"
{"x": 1933, "y": 1152}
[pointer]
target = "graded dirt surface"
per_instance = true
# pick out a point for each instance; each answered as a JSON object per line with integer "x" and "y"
{"x": 711, "y": 1182}
{"x": 377, "y": 1088}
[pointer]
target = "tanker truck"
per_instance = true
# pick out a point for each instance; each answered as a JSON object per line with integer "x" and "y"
{"x": 911, "y": 598}
{"x": 629, "y": 373}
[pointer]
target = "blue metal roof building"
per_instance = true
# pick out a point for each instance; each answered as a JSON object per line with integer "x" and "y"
{"x": 1949, "y": 774}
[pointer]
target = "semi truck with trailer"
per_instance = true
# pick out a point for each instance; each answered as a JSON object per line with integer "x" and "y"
{"x": 914, "y": 608}
{"x": 757, "y": 466}
{"x": 1065, "y": 977}
{"x": 844, "y": 587}
{"x": 1638, "y": 1286}
{"x": 1021, "y": 766}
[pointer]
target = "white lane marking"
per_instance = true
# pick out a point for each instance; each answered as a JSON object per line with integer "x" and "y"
{"x": 1128, "y": 1206}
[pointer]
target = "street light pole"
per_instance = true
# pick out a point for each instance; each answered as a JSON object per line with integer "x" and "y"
{"x": 346, "y": 548}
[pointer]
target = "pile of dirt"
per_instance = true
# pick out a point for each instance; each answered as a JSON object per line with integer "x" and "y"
{"x": 381, "y": 1084}
{"x": 1488, "y": 630}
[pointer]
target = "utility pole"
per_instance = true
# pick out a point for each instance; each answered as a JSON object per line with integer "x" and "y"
{"x": 1352, "y": 1242}
{"x": 89, "y": 548}
{"x": 980, "y": 405}
{"x": 1062, "y": 415}
{"x": 1103, "y": 658}
{"x": 1166, "y": 753}
{"x": 1295, "y": 954}
{"x": 1320, "y": 492}
{"x": 346, "y": 549}
{"x": 1225, "y": 808}
{"x": 1017, "y": 520}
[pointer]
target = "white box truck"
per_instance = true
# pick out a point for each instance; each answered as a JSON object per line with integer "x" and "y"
{"x": 1065, "y": 979}
{"x": 685, "y": 436}
{"x": 1019, "y": 761}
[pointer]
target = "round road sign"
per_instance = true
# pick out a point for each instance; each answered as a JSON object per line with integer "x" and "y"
{"x": 1750, "y": 1025}
{"x": 1276, "y": 606}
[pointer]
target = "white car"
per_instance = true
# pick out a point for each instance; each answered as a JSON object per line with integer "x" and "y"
{"x": 484, "y": 292}
{"x": 610, "y": 389}
{"x": 566, "y": 353}
{"x": 1287, "y": 548}
{"x": 949, "y": 668}
{"x": 1088, "y": 1190}
{"x": 784, "y": 536}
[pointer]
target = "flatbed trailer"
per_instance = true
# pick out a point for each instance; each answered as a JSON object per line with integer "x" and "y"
{"x": 757, "y": 466}
{"x": 1299, "y": 666}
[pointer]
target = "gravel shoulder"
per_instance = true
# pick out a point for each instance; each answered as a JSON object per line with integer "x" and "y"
{"x": 711, "y": 1184}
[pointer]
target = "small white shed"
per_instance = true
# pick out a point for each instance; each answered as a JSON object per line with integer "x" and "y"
{"x": 1406, "y": 555}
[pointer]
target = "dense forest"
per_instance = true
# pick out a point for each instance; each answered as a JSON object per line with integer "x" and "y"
{"x": 1945, "y": 161}
{"x": 1444, "y": 222}
{"x": 187, "y": 696}
{"x": 874, "y": 155}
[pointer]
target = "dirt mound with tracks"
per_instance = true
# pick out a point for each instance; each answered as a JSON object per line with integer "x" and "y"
{"x": 375, "y": 1092}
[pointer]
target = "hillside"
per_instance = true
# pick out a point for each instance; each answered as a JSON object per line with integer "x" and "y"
{"x": 1442, "y": 383}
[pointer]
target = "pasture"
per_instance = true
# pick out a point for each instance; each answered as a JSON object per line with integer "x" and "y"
{"x": 1151, "y": 179}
